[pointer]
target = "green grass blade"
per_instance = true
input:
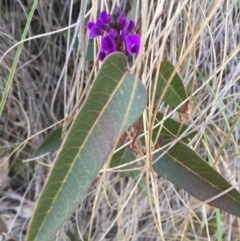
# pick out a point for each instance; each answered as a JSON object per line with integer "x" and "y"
{"x": 15, "y": 61}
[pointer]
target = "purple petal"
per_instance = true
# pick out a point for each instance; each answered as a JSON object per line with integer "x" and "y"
{"x": 108, "y": 43}
{"x": 123, "y": 35}
{"x": 104, "y": 53}
{"x": 122, "y": 14}
{"x": 117, "y": 11}
{"x": 131, "y": 26}
{"x": 101, "y": 56}
{"x": 105, "y": 17}
{"x": 133, "y": 42}
{"x": 161, "y": 139}
{"x": 100, "y": 25}
{"x": 90, "y": 25}
{"x": 122, "y": 20}
{"x": 111, "y": 50}
{"x": 94, "y": 32}
{"x": 109, "y": 18}
{"x": 112, "y": 33}
{"x": 124, "y": 23}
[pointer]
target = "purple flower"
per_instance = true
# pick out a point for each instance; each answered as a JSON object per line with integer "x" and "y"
{"x": 108, "y": 41}
{"x": 108, "y": 44}
{"x": 130, "y": 26}
{"x": 90, "y": 25}
{"x": 101, "y": 25}
{"x": 115, "y": 15}
{"x": 101, "y": 55}
{"x": 161, "y": 139}
{"x": 133, "y": 42}
{"x": 122, "y": 20}
{"x": 116, "y": 33}
{"x": 94, "y": 30}
{"x": 105, "y": 18}
{"x": 123, "y": 35}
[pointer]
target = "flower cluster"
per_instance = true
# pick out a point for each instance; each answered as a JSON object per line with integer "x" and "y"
{"x": 117, "y": 33}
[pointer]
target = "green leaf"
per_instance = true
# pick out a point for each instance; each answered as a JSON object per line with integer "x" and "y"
{"x": 121, "y": 157}
{"x": 171, "y": 129}
{"x": 142, "y": 184}
{"x": 183, "y": 167}
{"x": 76, "y": 43}
{"x": 90, "y": 47}
{"x": 176, "y": 92}
{"x": 125, "y": 156}
{"x": 90, "y": 51}
{"x": 52, "y": 142}
{"x": 87, "y": 145}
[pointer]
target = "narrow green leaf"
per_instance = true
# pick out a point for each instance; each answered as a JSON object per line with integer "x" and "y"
{"x": 71, "y": 34}
{"x": 90, "y": 47}
{"x": 52, "y": 142}
{"x": 176, "y": 92}
{"x": 183, "y": 167}
{"x": 125, "y": 156}
{"x": 142, "y": 184}
{"x": 87, "y": 145}
{"x": 170, "y": 130}
{"x": 121, "y": 157}
{"x": 90, "y": 51}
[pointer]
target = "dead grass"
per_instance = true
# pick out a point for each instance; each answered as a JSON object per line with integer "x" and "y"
{"x": 202, "y": 38}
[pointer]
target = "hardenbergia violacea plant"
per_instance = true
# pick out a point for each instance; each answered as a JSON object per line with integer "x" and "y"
{"x": 112, "y": 115}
